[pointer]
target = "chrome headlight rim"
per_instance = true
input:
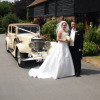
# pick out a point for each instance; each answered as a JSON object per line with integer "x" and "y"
{"x": 31, "y": 45}
{"x": 47, "y": 44}
{"x": 30, "y": 55}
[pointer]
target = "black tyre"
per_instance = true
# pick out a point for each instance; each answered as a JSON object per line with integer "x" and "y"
{"x": 19, "y": 57}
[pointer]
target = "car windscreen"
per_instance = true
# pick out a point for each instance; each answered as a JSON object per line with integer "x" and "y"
{"x": 28, "y": 29}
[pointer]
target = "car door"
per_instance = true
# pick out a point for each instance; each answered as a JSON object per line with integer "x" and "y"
{"x": 13, "y": 36}
{"x": 10, "y": 36}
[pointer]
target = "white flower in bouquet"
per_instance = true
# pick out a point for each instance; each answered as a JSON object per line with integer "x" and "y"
{"x": 68, "y": 38}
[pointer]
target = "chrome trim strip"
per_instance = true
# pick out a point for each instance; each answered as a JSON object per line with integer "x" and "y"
{"x": 36, "y": 58}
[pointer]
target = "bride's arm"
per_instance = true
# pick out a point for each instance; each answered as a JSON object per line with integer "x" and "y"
{"x": 59, "y": 37}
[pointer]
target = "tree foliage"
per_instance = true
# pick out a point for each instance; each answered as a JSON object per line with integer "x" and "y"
{"x": 91, "y": 35}
{"x": 98, "y": 36}
{"x": 20, "y": 8}
{"x": 8, "y": 19}
{"x": 90, "y": 49}
{"x": 50, "y": 28}
{"x": 5, "y": 8}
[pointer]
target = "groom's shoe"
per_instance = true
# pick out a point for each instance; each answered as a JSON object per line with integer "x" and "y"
{"x": 77, "y": 75}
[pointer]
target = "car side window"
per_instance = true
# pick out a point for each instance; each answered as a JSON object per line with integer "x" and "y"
{"x": 14, "y": 30}
{"x": 10, "y": 29}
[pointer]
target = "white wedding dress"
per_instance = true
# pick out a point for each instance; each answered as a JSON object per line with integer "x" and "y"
{"x": 57, "y": 65}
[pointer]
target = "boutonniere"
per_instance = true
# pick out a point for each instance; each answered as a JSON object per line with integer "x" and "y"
{"x": 76, "y": 32}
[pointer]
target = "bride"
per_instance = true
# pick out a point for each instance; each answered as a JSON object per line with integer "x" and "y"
{"x": 59, "y": 63}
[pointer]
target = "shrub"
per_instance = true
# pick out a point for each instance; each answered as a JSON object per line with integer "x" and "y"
{"x": 0, "y": 30}
{"x": 80, "y": 26}
{"x": 98, "y": 36}
{"x": 5, "y": 8}
{"x": 23, "y": 21}
{"x": 69, "y": 22}
{"x": 40, "y": 20}
{"x": 0, "y": 26}
{"x": 91, "y": 35}
{"x": 90, "y": 49}
{"x": 8, "y": 19}
{"x": 50, "y": 28}
{"x": 47, "y": 37}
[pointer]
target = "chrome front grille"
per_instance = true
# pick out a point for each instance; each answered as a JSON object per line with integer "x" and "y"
{"x": 38, "y": 44}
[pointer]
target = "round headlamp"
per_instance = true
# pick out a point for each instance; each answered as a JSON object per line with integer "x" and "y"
{"x": 31, "y": 45}
{"x": 29, "y": 55}
{"x": 47, "y": 43}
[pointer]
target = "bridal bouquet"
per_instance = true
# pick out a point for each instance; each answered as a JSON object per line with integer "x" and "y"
{"x": 68, "y": 38}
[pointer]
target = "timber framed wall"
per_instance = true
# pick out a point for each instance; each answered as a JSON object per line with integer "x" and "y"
{"x": 52, "y": 8}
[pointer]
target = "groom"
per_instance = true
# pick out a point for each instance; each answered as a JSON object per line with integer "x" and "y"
{"x": 76, "y": 47}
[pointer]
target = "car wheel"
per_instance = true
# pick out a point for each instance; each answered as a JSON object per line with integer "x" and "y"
{"x": 7, "y": 48}
{"x": 19, "y": 59}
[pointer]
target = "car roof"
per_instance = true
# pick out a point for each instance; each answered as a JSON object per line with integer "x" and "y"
{"x": 23, "y": 24}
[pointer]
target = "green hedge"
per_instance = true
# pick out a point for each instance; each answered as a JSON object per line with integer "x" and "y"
{"x": 90, "y": 49}
{"x": 49, "y": 28}
{"x": 8, "y": 19}
{"x": 40, "y": 20}
{"x": 80, "y": 26}
{"x": 91, "y": 35}
{"x": 98, "y": 36}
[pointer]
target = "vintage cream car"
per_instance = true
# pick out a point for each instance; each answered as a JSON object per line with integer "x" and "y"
{"x": 24, "y": 43}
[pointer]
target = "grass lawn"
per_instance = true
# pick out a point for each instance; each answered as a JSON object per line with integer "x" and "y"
{"x": 95, "y": 60}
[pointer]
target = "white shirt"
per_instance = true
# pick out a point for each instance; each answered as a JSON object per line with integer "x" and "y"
{"x": 72, "y": 35}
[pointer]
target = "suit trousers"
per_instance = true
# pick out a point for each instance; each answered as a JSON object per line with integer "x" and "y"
{"x": 76, "y": 57}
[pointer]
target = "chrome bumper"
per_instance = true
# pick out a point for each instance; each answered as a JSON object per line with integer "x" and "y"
{"x": 35, "y": 58}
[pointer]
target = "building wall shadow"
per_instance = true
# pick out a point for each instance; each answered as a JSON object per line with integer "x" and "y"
{"x": 90, "y": 72}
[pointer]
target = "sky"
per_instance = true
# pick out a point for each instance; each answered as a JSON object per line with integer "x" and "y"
{"x": 8, "y": 0}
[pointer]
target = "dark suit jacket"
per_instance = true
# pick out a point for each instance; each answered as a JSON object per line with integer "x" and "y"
{"x": 78, "y": 43}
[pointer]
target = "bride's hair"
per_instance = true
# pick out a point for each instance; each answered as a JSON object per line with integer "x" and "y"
{"x": 59, "y": 26}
